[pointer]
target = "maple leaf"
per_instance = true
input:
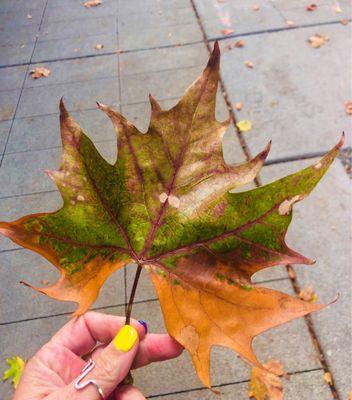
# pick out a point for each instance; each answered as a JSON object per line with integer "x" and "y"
{"x": 265, "y": 384}
{"x": 40, "y": 72}
{"x": 166, "y": 205}
{"x": 14, "y": 372}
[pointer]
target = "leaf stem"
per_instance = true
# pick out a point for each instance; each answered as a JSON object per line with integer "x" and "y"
{"x": 133, "y": 292}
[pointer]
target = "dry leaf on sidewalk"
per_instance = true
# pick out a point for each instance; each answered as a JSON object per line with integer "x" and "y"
{"x": 239, "y": 106}
{"x": 29, "y": 16}
{"x": 238, "y": 44}
{"x": 249, "y": 64}
{"x": 308, "y": 294}
{"x": 40, "y": 72}
{"x": 99, "y": 46}
{"x": 348, "y": 107}
{"x": 328, "y": 378}
{"x": 226, "y": 31}
{"x": 256, "y": 8}
{"x": 92, "y": 3}
{"x": 344, "y": 22}
{"x": 244, "y": 126}
{"x": 265, "y": 385}
{"x": 317, "y": 41}
{"x": 289, "y": 22}
{"x": 311, "y": 7}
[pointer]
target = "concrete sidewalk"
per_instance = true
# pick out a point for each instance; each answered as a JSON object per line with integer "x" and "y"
{"x": 293, "y": 94}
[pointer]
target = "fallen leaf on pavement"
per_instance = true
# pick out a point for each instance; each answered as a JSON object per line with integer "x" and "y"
{"x": 308, "y": 294}
{"x": 344, "y": 21}
{"x": 265, "y": 385}
{"x": 29, "y": 16}
{"x": 350, "y": 396}
{"x": 348, "y": 107}
{"x": 40, "y": 72}
{"x": 226, "y": 31}
{"x": 244, "y": 126}
{"x": 249, "y": 64}
{"x": 289, "y": 22}
{"x": 256, "y": 8}
{"x": 239, "y": 106}
{"x": 317, "y": 41}
{"x": 328, "y": 378}
{"x": 338, "y": 10}
{"x": 238, "y": 44}
{"x": 311, "y": 7}
{"x": 99, "y": 46}
{"x": 92, "y": 3}
{"x": 14, "y": 372}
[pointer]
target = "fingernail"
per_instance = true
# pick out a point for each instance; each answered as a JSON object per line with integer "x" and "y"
{"x": 125, "y": 338}
{"x": 144, "y": 324}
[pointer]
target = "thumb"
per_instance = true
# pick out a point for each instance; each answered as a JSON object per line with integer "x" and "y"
{"x": 111, "y": 367}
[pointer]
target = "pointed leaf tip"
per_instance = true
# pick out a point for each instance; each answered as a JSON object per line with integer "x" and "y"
{"x": 214, "y": 60}
{"x": 62, "y": 107}
{"x": 154, "y": 104}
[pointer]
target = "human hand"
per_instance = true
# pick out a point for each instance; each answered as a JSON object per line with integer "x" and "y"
{"x": 51, "y": 373}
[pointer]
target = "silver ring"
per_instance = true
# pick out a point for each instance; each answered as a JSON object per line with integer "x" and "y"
{"x": 79, "y": 385}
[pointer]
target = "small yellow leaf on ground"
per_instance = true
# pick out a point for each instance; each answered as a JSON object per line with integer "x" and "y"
{"x": 328, "y": 378}
{"x": 338, "y": 10}
{"x": 92, "y": 3}
{"x": 14, "y": 372}
{"x": 311, "y": 7}
{"x": 265, "y": 385}
{"x": 348, "y": 107}
{"x": 308, "y": 294}
{"x": 99, "y": 46}
{"x": 317, "y": 41}
{"x": 249, "y": 64}
{"x": 40, "y": 72}
{"x": 226, "y": 31}
{"x": 244, "y": 126}
{"x": 239, "y": 106}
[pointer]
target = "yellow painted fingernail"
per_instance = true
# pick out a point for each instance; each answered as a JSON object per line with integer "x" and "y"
{"x": 125, "y": 338}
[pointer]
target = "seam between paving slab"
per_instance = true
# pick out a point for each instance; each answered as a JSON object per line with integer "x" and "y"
{"x": 23, "y": 85}
{"x": 252, "y": 33}
{"x": 291, "y": 276}
{"x": 226, "y": 384}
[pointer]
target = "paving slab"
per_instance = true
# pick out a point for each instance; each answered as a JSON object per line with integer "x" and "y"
{"x": 16, "y": 54}
{"x": 12, "y": 78}
{"x": 20, "y": 34}
{"x": 17, "y": 5}
{"x": 20, "y": 17}
{"x": 51, "y": 50}
{"x": 26, "y": 303}
{"x": 142, "y": 62}
{"x": 43, "y": 132}
{"x": 156, "y": 379}
{"x": 8, "y": 103}
{"x": 23, "y": 173}
{"x": 303, "y": 386}
{"x": 150, "y": 6}
{"x": 160, "y": 36}
{"x": 241, "y": 17}
{"x": 327, "y": 213}
{"x": 12, "y": 208}
{"x": 78, "y": 96}
{"x": 83, "y": 69}
{"x": 164, "y": 17}
{"x": 287, "y": 95}
{"x": 68, "y": 10}
{"x": 326, "y": 11}
{"x": 71, "y": 29}
{"x": 162, "y": 85}
{"x": 4, "y": 132}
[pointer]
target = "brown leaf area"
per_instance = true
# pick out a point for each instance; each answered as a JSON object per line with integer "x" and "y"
{"x": 226, "y": 31}
{"x": 348, "y": 107}
{"x": 316, "y": 41}
{"x": 266, "y": 384}
{"x": 40, "y": 72}
{"x": 93, "y": 3}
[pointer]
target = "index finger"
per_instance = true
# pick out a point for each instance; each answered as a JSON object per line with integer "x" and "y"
{"x": 80, "y": 335}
